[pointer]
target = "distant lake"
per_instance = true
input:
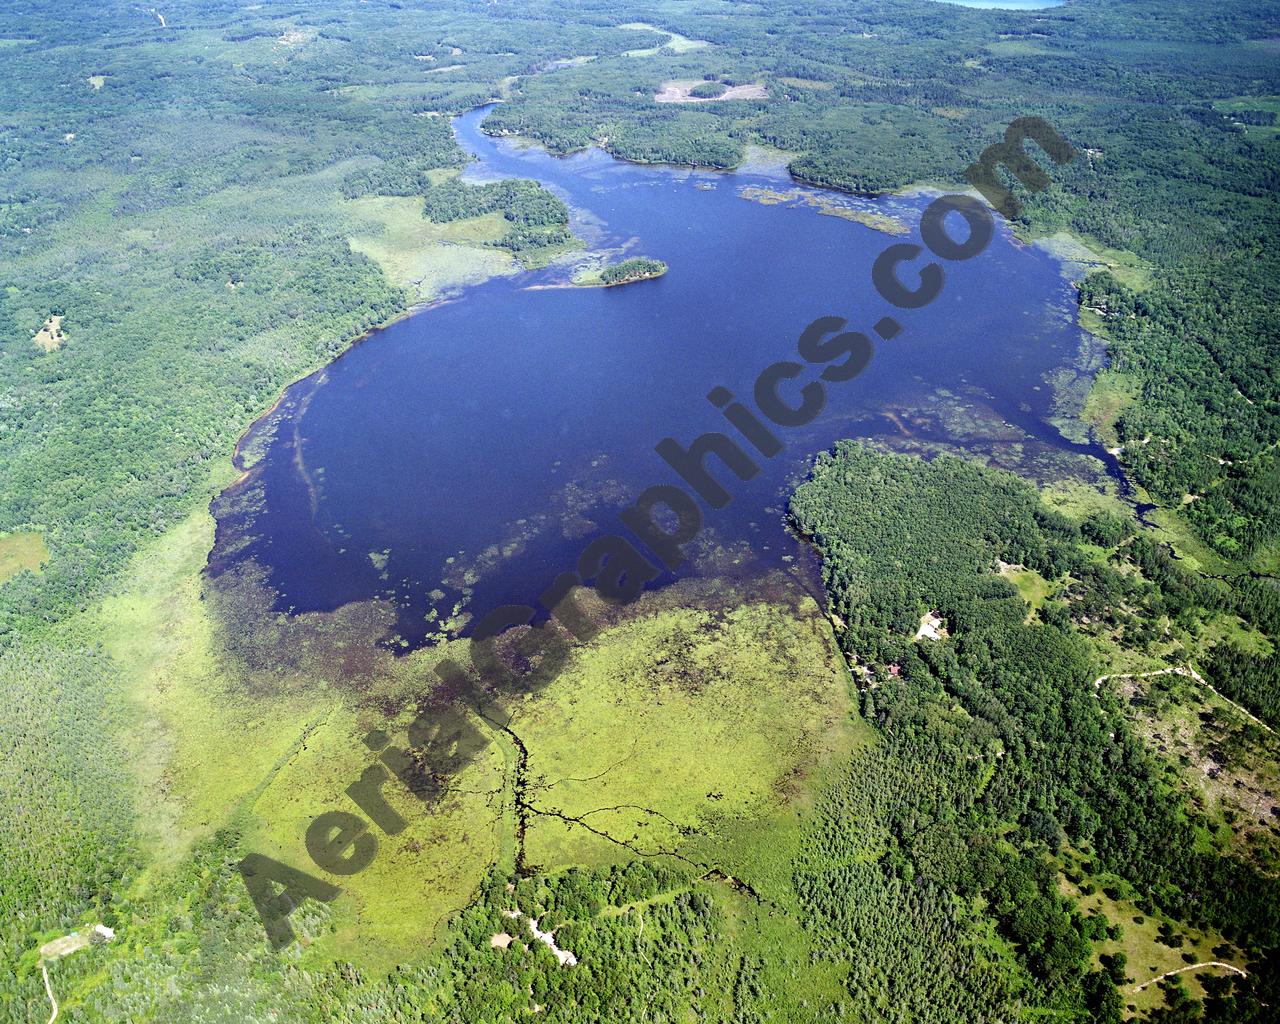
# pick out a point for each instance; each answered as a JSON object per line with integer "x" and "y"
{"x": 1005, "y": 5}
{"x": 467, "y": 454}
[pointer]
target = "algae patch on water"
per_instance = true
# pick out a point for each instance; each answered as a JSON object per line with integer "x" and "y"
{"x": 827, "y": 206}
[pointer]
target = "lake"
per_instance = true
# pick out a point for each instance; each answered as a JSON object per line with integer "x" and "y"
{"x": 1006, "y": 5}
{"x": 464, "y": 456}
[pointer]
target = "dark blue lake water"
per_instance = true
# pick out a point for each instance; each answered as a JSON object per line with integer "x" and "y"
{"x": 464, "y": 456}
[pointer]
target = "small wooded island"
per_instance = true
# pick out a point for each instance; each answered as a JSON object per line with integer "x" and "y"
{"x": 638, "y": 268}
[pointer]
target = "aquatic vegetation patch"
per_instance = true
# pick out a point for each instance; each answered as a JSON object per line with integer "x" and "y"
{"x": 827, "y": 205}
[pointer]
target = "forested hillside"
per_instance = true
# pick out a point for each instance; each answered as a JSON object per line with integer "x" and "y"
{"x": 182, "y": 191}
{"x": 1000, "y": 752}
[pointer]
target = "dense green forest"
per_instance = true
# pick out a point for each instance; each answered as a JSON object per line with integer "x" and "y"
{"x": 1070, "y": 773}
{"x": 180, "y": 187}
{"x": 538, "y": 219}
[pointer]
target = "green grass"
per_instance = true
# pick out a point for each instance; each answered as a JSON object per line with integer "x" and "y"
{"x": 1111, "y": 394}
{"x": 1271, "y": 103}
{"x": 676, "y": 43}
{"x": 216, "y": 747}
{"x": 1033, "y": 587}
{"x": 1022, "y": 48}
{"x": 21, "y": 552}
{"x": 806, "y": 83}
{"x": 1078, "y": 498}
{"x": 1234, "y": 630}
{"x": 1266, "y": 559}
{"x": 729, "y": 724}
{"x": 392, "y": 910}
{"x": 794, "y": 980}
{"x": 675, "y": 723}
{"x": 428, "y": 259}
{"x": 1225, "y": 765}
{"x": 696, "y": 728}
{"x": 1148, "y": 957}
{"x": 1172, "y": 526}
{"x": 204, "y": 744}
{"x": 1127, "y": 267}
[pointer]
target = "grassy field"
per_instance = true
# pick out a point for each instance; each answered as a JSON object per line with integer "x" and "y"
{"x": 679, "y": 729}
{"x": 673, "y": 725}
{"x": 1233, "y": 629}
{"x": 1111, "y": 393}
{"x": 391, "y": 911}
{"x": 21, "y": 552}
{"x": 1270, "y": 104}
{"x": 1148, "y": 956}
{"x": 675, "y": 42}
{"x": 1173, "y": 527}
{"x": 1033, "y": 587}
{"x": 1224, "y": 763}
{"x": 1078, "y": 498}
{"x": 806, "y": 83}
{"x": 1072, "y": 247}
{"x": 220, "y": 745}
{"x": 429, "y": 260}
{"x": 1022, "y": 48}
{"x": 206, "y": 745}
{"x": 707, "y": 734}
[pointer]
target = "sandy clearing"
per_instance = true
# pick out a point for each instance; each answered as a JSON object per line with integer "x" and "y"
{"x": 932, "y": 627}
{"x": 296, "y": 36}
{"x": 50, "y": 337}
{"x": 68, "y": 944}
{"x": 548, "y": 939}
{"x": 678, "y": 92}
{"x": 49, "y": 989}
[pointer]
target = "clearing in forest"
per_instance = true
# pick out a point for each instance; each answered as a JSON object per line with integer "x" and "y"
{"x": 430, "y": 260}
{"x": 50, "y": 337}
{"x": 676, "y": 43}
{"x": 681, "y": 92}
{"x": 21, "y": 551}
